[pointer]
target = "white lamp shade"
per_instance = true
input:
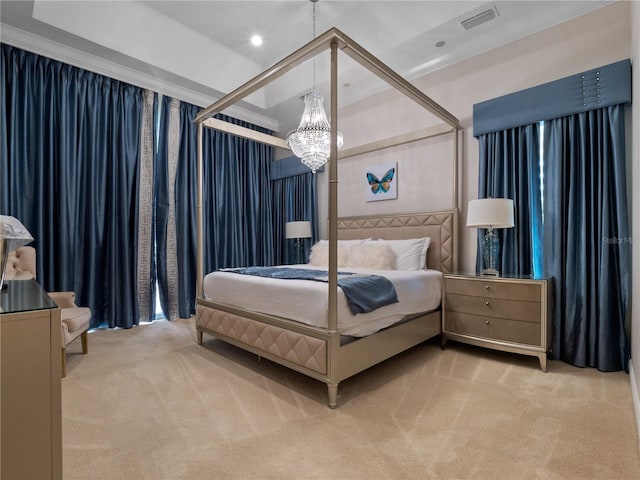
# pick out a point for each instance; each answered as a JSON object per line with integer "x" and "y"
{"x": 14, "y": 232}
{"x": 490, "y": 213}
{"x": 298, "y": 230}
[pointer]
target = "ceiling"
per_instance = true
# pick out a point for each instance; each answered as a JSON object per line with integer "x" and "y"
{"x": 199, "y": 50}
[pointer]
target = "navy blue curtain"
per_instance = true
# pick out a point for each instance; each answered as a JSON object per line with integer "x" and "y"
{"x": 509, "y": 167}
{"x": 586, "y": 237}
{"x": 294, "y": 199}
{"x": 69, "y": 171}
{"x": 186, "y": 221}
{"x": 236, "y": 201}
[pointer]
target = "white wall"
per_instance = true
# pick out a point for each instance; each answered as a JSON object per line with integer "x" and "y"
{"x": 590, "y": 41}
{"x": 635, "y": 215}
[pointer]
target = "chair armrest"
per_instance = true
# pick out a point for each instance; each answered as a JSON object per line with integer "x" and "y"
{"x": 63, "y": 299}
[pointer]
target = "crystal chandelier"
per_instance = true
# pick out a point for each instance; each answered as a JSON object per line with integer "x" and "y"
{"x": 311, "y": 141}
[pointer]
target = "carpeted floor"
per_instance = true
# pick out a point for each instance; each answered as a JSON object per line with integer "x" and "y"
{"x": 149, "y": 403}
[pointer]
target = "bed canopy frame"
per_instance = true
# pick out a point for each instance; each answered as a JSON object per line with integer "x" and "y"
{"x": 334, "y": 40}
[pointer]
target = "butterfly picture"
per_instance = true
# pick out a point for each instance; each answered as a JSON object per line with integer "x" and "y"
{"x": 378, "y": 186}
{"x": 381, "y": 182}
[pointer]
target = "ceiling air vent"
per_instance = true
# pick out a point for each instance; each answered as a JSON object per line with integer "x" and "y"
{"x": 480, "y": 18}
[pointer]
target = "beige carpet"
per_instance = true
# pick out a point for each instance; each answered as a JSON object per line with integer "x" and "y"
{"x": 149, "y": 403}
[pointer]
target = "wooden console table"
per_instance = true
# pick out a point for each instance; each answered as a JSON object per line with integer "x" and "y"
{"x": 30, "y": 396}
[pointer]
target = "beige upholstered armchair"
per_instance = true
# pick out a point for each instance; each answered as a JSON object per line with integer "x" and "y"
{"x": 21, "y": 265}
{"x": 75, "y": 322}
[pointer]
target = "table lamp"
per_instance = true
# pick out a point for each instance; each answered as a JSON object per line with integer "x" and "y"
{"x": 298, "y": 231}
{"x": 490, "y": 213}
{"x": 13, "y": 234}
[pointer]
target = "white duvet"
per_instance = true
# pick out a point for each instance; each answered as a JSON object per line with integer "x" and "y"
{"x": 306, "y": 301}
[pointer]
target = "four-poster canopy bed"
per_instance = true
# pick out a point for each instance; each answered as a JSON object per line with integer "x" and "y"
{"x": 322, "y": 352}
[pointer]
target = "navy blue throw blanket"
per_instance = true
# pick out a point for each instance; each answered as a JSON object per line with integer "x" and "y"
{"x": 364, "y": 293}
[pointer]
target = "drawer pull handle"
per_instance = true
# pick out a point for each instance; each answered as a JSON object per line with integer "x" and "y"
{"x": 487, "y": 287}
{"x": 486, "y": 322}
{"x": 487, "y": 302}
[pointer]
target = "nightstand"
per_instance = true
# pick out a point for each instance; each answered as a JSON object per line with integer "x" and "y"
{"x": 504, "y": 313}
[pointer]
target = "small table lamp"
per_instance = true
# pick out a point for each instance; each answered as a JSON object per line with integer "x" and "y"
{"x": 298, "y": 231}
{"x": 13, "y": 234}
{"x": 490, "y": 213}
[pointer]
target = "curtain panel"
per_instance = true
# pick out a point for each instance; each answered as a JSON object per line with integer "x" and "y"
{"x": 238, "y": 229}
{"x": 69, "y": 171}
{"x": 509, "y": 167}
{"x": 582, "y": 234}
{"x": 164, "y": 206}
{"x": 294, "y": 199}
{"x": 186, "y": 203}
{"x": 145, "y": 269}
{"x": 586, "y": 237}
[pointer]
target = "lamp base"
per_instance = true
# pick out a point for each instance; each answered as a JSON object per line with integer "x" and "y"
{"x": 490, "y": 272}
{"x": 299, "y": 248}
{"x": 4, "y": 255}
{"x": 490, "y": 253}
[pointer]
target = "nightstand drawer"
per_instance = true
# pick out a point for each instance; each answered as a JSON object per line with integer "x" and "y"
{"x": 528, "y": 292}
{"x": 494, "y": 328}
{"x": 494, "y": 307}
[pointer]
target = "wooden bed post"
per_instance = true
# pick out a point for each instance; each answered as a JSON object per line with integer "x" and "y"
{"x": 456, "y": 199}
{"x": 332, "y": 384}
{"x": 199, "y": 217}
{"x": 333, "y": 195}
{"x": 455, "y": 168}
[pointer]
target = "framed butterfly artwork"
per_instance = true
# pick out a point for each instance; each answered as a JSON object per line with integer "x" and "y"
{"x": 381, "y": 182}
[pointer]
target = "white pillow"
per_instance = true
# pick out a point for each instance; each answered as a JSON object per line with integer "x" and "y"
{"x": 319, "y": 256}
{"x": 411, "y": 254}
{"x": 374, "y": 257}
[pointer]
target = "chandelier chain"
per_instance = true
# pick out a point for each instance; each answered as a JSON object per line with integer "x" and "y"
{"x": 314, "y": 37}
{"x": 314, "y": 19}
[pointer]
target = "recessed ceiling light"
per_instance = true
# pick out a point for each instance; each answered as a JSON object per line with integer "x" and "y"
{"x": 256, "y": 40}
{"x": 440, "y": 43}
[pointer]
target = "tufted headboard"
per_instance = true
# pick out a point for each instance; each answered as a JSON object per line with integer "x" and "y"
{"x": 441, "y": 227}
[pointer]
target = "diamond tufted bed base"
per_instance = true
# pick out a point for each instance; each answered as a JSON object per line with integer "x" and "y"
{"x": 309, "y": 350}
{"x": 318, "y": 352}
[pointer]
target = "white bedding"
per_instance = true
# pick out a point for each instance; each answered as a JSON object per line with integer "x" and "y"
{"x": 306, "y": 301}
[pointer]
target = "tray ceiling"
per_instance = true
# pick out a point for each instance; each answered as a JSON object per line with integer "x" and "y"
{"x": 200, "y": 50}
